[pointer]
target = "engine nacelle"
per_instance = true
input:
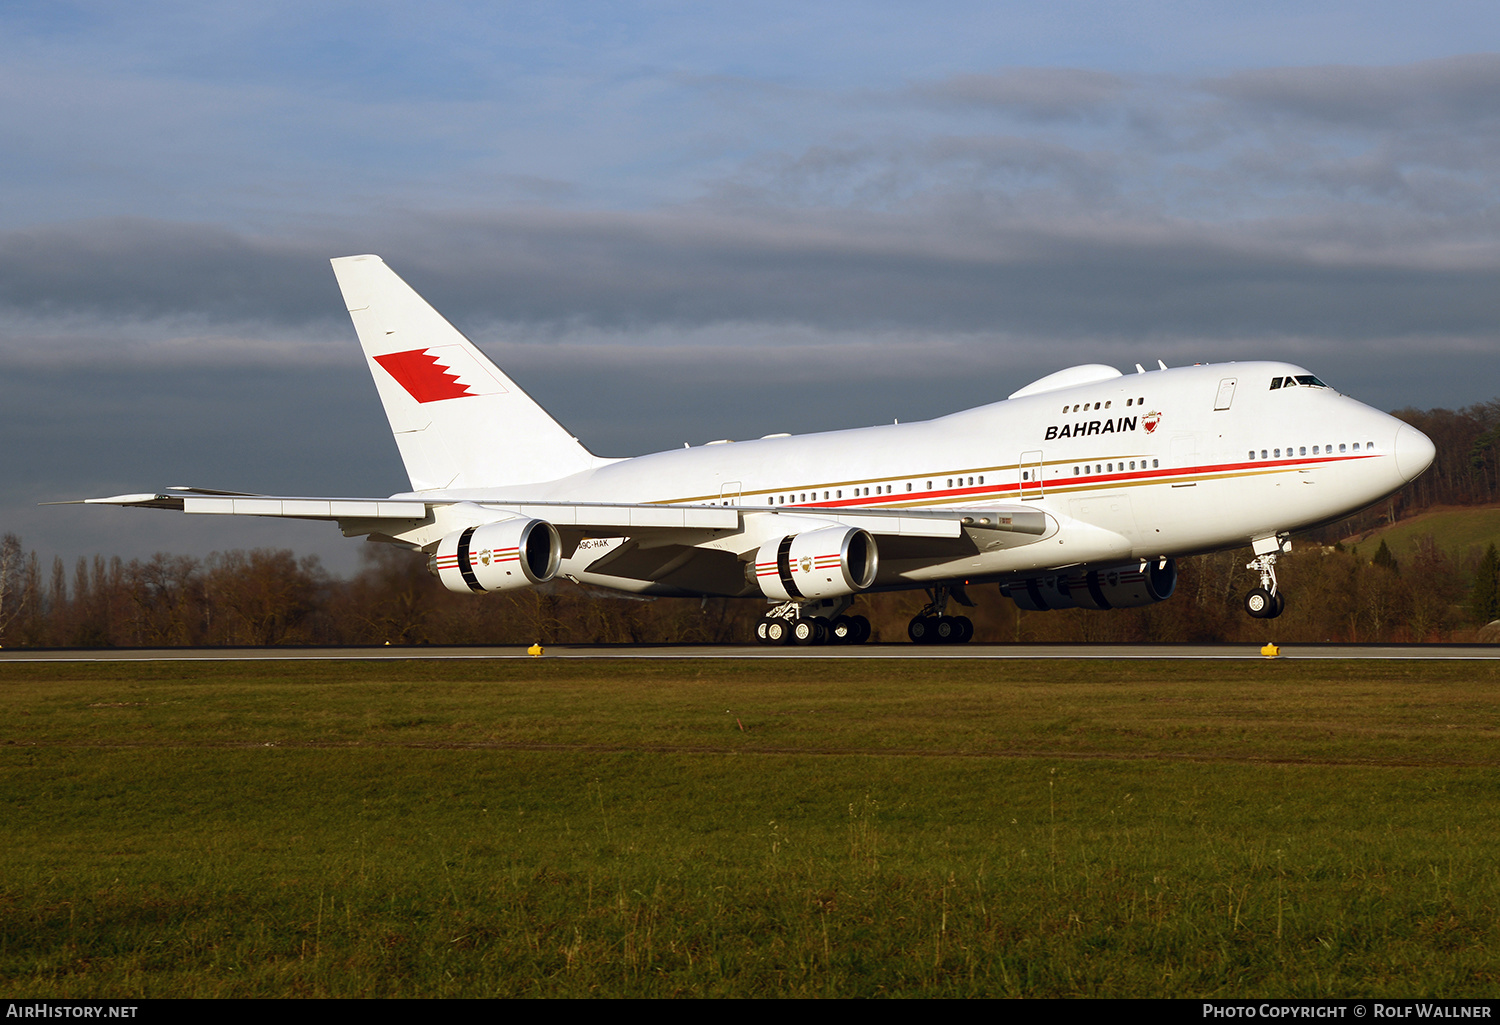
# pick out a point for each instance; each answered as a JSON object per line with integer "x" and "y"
{"x": 500, "y": 556}
{"x": 1123, "y": 586}
{"x": 823, "y": 563}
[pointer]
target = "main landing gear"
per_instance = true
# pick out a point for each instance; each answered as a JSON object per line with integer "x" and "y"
{"x": 933, "y": 626}
{"x": 826, "y": 621}
{"x": 812, "y": 622}
{"x": 1265, "y": 601}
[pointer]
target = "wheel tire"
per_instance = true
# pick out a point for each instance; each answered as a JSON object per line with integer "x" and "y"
{"x": 862, "y": 629}
{"x": 966, "y": 630}
{"x": 1280, "y": 606}
{"x": 761, "y": 630}
{"x": 778, "y": 631}
{"x": 920, "y": 629}
{"x": 842, "y": 631}
{"x": 947, "y": 630}
{"x": 1260, "y": 603}
{"x": 809, "y": 631}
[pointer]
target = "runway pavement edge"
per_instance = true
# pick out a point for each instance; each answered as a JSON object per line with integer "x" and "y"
{"x": 1419, "y": 652}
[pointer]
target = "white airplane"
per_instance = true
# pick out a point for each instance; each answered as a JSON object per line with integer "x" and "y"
{"x": 1079, "y": 490}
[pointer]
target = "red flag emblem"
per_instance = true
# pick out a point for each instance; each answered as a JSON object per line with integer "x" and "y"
{"x": 424, "y": 375}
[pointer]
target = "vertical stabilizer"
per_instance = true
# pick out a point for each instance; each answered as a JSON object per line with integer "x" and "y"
{"x": 458, "y": 420}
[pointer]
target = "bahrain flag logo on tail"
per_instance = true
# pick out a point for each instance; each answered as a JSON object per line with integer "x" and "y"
{"x": 440, "y": 372}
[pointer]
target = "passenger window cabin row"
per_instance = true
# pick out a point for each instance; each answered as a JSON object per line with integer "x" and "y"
{"x": 1301, "y": 450}
{"x": 1087, "y": 469}
{"x": 1087, "y": 407}
{"x": 834, "y": 494}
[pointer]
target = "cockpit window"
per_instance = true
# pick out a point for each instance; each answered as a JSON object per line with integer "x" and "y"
{"x": 1291, "y": 382}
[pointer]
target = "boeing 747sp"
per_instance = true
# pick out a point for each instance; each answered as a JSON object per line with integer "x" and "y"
{"x": 1080, "y": 489}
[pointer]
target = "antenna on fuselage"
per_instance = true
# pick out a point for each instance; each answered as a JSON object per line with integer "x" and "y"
{"x": 1139, "y": 369}
{"x": 1161, "y": 364}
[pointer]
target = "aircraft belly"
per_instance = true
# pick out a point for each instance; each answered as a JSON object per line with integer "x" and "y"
{"x": 666, "y": 569}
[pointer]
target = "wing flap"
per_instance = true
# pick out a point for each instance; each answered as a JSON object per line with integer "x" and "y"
{"x": 308, "y": 508}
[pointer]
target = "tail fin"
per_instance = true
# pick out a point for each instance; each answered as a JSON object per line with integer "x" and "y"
{"x": 458, "y": 420}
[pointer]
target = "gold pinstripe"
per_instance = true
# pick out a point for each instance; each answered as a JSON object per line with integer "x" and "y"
{"x": 1009, "y": 492}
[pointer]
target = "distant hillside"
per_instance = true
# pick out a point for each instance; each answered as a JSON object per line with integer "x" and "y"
{"x": 1457, "y": 531}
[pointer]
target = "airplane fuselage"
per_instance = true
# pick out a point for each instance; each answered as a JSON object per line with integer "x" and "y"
{"x": 1141, "y": 466}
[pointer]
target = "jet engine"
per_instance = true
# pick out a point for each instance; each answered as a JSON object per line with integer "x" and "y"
{"x": 499, "y": 556}
{"x": 1121, "y": 586}
{"x": 825, "y": 563}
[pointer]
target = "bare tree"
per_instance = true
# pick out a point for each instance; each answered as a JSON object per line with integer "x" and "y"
{"x": 13, "y": 594}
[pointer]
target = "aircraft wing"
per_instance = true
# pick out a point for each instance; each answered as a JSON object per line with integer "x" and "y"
{"x": 389, "y": 515}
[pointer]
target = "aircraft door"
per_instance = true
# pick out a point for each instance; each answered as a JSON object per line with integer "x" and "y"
{"x": 1226, "y": 393}
{"x": 729, "y": 494}
{"x": 1031, "y": 476}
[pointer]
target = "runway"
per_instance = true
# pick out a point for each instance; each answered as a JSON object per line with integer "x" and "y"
{"x": 1416, "y": 652}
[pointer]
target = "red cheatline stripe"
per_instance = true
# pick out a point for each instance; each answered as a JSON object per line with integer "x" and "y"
{"x": 1142, "y": 476}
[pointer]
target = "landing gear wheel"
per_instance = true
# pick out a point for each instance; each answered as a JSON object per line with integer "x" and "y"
{"x": 1262, "y": 604}
{"x": 861, "y": 629}
{"x": 810, "y": 631}
{"x": 1280, "y": 606}
{"x": 922, "y": 629}
{"x": 762, "y": 627}
{"x": 948, "y": 631}
{"x": 842, "y": 631}
{"x": 965, "y": 630}
{"x": 778, "y": 631}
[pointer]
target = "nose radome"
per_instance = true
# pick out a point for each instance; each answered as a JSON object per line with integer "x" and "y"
{"x": 1414, "y": 453}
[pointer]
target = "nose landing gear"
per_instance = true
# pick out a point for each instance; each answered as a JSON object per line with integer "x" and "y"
{"x": 1265, "y": 601}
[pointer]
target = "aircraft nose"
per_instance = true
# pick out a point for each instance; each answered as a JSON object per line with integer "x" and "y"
{"x": 1414, "y": 453}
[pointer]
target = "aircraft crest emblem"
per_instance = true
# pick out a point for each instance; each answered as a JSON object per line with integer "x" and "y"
{"x": 807, "y": 564}
{"x": 1150, "y": 420}
{"x": 484, "y": 557}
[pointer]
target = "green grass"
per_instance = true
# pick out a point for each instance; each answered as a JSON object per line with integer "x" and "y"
{"x": 856, "y": 828}
{"x": 1456, "y": 531}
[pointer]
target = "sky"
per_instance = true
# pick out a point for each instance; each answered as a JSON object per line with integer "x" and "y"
{"x": 680, "y": 222}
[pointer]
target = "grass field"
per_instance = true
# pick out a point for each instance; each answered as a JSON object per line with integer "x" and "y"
{"x": 1457, "y": 531}
{"x": 843, "y": 828}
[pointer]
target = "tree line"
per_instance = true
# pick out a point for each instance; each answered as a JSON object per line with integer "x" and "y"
{"x": 272, "y": 597}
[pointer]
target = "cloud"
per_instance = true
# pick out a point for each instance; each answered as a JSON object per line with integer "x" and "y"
{"x": 144, "y": 267}
{"x": 1034, "y": 94}
{"x": 950, "y": 267}
{"x": 1426, "y": 95}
